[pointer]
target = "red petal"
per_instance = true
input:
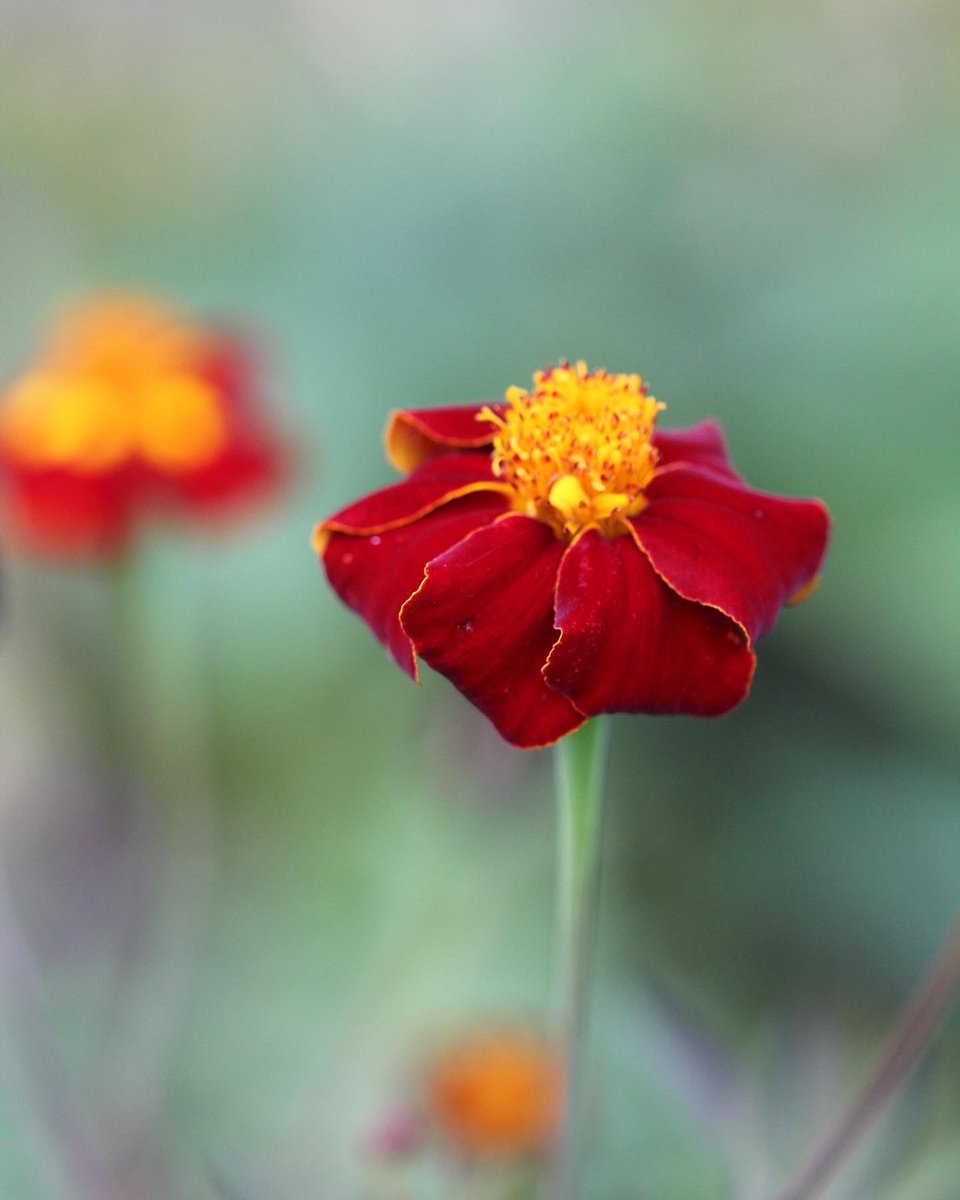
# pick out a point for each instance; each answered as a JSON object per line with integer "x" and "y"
{"x": 435, "y": 483}
{"x": 69, "y": 515}
{"x": 375, "y": 575}
{"x": 702, "y": 445}
{"x": 245, "y": 473}
{"x": 414, "y": 437}
{"x": 231, "y": 362}
{"x": 254, "y": 464}
{"x": 630, "y": 644}
{"x": 716, "y": 541}
{"x": 484, "y": 618}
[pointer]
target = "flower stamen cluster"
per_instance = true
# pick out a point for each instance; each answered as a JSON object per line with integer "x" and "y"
{"x": 577, "y": 451}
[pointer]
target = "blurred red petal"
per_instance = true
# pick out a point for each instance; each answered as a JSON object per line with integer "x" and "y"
{"x": 434, "y": 484}
{"x": 413, "y": 437}
{"x": 630, "y": 644}
{"x": 483, "y": 617}
{"x": 232, "y": 364}
{"x": 374, "y": 575}
{"x": 716, "y": 541}
{"x": 243, "y": 475}
{"x": 254, "y": 464}
{"x": 65, "y": 514}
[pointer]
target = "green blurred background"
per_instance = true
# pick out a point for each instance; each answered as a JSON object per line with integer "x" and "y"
{"x": 413, "y": 204}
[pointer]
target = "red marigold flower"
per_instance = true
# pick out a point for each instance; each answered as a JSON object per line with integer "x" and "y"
{"x": 556, "y": 556}
{"x": 129, "y": 409}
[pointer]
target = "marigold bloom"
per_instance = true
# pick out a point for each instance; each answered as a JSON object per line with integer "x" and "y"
{"x": 556, "y": 556}
{"x": 496, "y": 1094}
{"x": 128, "y": 409}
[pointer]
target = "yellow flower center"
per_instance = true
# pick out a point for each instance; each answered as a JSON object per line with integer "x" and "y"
{"x": 577, "y": 451}
{"x": 117, "y": 382}
{"x": 180, "y": 423}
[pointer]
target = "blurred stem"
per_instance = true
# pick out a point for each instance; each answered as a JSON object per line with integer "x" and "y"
{"x": 920, "y": 1018}
{"x": 35, "y": 1071}
{"x": 162, "y": 737}
{"x": 580, "y": 762}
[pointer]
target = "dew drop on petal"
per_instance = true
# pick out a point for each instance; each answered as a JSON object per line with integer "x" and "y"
{"x": 376, "y": 540}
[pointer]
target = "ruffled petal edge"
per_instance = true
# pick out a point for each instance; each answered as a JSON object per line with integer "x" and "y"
{"x": 628, "y": 643}
{"x": 414, "y": 436}
{"x": 483, "y": 617}
{"x": 437, "y": 482}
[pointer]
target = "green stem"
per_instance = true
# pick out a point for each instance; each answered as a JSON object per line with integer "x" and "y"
{"x": 580, "y": 762}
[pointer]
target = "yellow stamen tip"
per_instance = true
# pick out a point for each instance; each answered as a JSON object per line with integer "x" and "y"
{"x": 567, "y": 495}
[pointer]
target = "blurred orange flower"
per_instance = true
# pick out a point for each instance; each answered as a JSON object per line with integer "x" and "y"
{"x": 126, "y": 410}
{"x": 496, "y": 1094}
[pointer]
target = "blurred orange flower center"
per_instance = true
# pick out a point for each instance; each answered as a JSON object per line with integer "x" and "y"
{"x": 118, "y": 382}
{"x": 498, "y": 1095}
{"x": 577, "y": 449}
